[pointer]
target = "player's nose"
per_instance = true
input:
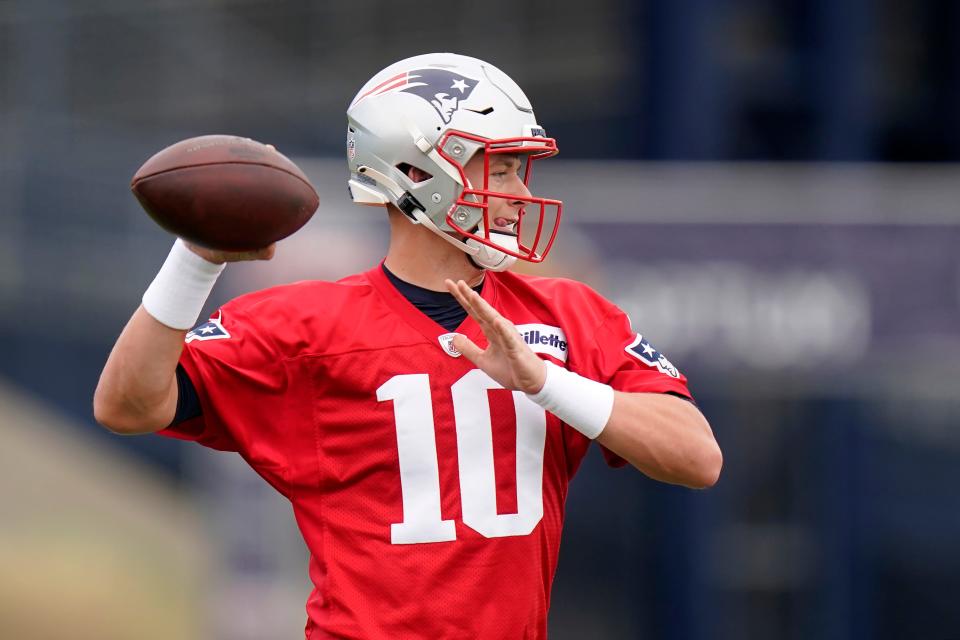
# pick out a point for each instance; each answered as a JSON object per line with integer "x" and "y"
{"x": 518, "y": 188}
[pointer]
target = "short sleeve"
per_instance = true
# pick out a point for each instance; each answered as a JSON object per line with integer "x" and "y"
{"x": 240, "y": 379}
{"x": 628, "y": 362}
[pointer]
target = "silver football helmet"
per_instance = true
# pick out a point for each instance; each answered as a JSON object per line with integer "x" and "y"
{"x": 435, "y": 112}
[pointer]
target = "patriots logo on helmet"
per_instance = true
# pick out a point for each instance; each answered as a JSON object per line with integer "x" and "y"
{"x": 443, "y": 89}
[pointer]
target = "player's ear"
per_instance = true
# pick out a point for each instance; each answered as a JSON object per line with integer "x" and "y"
{"x": 412, "y": 172}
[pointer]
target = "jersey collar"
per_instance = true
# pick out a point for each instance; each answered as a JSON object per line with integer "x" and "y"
{"x": 418, "y": 320}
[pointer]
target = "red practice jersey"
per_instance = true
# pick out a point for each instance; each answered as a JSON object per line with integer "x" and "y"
{"x": 431, "y": 499}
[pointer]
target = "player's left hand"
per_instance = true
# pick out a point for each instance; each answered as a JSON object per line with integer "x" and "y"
{"x": 507, "y": 358}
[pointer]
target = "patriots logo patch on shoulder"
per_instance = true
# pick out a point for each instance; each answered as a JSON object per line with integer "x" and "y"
{"x": 642, "y": 350}
{"x": 212, "y": 329}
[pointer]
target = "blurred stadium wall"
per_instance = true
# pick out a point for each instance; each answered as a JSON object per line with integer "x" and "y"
{"x": 771, "y": 189}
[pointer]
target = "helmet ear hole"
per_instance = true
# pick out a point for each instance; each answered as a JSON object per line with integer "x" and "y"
{"x": 415, "y": 174}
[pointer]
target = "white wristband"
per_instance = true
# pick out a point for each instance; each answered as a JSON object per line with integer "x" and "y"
{"x": 176, "y": 296}
{"x": 582, "y": 403}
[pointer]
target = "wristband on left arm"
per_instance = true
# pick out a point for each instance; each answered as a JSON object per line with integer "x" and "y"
{"x": 584, "y": 404}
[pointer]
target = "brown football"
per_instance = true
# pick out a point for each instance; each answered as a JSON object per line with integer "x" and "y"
{"x": 225, "y": 192}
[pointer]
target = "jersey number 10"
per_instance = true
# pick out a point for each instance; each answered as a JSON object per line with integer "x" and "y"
{"x": 420, "y": 475}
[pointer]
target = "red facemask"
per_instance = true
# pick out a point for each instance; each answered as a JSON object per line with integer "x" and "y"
{"x": 536, "y": 229}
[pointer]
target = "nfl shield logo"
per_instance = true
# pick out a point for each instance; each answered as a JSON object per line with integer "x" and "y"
{"x": 446, "y": 341}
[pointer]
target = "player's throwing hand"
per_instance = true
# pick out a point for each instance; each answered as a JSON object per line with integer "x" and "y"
{"x": 217, "y": 256}
{"x": 507, "y": 358}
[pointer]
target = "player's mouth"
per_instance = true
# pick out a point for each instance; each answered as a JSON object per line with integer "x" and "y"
{"x": 505, "y": 226}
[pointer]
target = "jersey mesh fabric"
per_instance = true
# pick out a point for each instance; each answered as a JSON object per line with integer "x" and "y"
{"x": 295, "y": 390}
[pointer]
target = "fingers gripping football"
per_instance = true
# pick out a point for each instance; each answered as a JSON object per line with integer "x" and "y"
{"x": 507, "y": 358}
{"x": 217, "y": 256}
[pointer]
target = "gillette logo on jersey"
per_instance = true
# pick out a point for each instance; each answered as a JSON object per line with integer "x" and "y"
{"x": 441, "y": 88}
{"x": 542, "y": 338}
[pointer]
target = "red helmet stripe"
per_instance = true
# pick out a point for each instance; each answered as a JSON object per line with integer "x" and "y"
{"x": 402, "y": 76}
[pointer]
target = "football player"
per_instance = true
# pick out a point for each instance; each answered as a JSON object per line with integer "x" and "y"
{"x": 425, "y": 417}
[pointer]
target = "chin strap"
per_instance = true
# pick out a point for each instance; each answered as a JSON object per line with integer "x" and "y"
{"x": 486, "y": 257}
{"x": 481, "y": 255}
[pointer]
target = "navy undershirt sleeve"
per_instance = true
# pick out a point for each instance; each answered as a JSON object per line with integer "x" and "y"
{"x": 188, "y": 402}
